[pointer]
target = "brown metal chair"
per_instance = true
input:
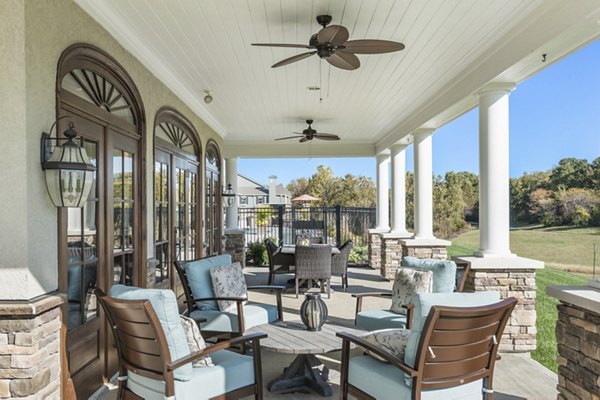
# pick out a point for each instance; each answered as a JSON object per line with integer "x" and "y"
{"x": 144, "y": 356}
{"x": 279, "y": 263}
{"x": 214, "y": 323}
{"x": 313, "y": 263}
{"x": 453, "y": 357}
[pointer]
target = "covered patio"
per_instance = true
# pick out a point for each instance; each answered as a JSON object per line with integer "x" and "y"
{"x": 166, "y": 97}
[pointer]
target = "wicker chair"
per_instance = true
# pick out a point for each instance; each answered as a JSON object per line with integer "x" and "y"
{"x": 339, "y": 263}
{"x": 279, "y": 263}
{"x": 311, "y": 239}
{"x": 313, "y": 262}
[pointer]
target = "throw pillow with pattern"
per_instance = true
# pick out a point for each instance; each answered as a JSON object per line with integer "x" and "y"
{"x": 407, "y": 283}
{"x": 391, "y": 340}
{"x": 229, "y": 281}
{"x": 195, "y": 341}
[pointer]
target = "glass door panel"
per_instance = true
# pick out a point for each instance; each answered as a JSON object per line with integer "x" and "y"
{"x": 161, "y": 221}
{"x": 123, "y": 216}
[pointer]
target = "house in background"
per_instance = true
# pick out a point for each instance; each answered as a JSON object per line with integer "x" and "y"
{"x": 252, "y": 193}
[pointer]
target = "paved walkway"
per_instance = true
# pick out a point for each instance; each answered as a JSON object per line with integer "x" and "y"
{"x": 516, "y": 377}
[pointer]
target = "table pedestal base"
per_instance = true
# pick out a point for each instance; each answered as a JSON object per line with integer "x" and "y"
{"x": 304, "y": 371}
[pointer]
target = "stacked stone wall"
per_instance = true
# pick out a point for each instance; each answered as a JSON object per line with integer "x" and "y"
{"x": 30, "y": 365}
{"x": 520, "y": 332}
{"x": 391, "y": 250}
{"x": 436, "y": 252}
{"x": 578, "y": 341}
{"x": 234, "y": 246}
{"x": 374, "y": 248}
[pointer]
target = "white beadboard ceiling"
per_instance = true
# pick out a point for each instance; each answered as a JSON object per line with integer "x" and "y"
{"x": 452, "y": 49}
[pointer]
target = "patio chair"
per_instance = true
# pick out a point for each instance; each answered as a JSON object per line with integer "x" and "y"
{"x": 313, "y": 263}
{"x": 279, "y": 263}
{"x": 447, "y": 277}
{"x": 450, "y": 352}
{"x": 339, "y": 263}
{"x": 155, "y": 359}
{"x": 202, "y": 304}
{"x": 311, "y": 239}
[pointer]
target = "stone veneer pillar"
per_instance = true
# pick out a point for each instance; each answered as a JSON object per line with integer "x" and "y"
{"x": 374, "y": 248}
{"x": 578, "y": 341}
{"x": 30, "y": 331}
{"x": 151, "y": 265}
{"x": 391, "y": 253}
{"x": 234, "y": 245}
{"x": 512, "y": 277}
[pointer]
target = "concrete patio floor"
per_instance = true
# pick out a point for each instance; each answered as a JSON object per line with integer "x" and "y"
{"x": 517, "y": 376}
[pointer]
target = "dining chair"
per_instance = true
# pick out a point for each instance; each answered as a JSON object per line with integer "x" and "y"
{"x": 339, "y": 263}
{"x": 155, "y": 361}
{"x": 313, "y": 263}
{"x": 450, "y": 352}
{"x": 279, "y": 263}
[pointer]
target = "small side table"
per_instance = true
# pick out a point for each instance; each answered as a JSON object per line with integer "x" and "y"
{"x": 292, "y": 337}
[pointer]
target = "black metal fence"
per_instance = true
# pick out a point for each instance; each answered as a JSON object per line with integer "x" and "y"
{"x": 335, "y": 224}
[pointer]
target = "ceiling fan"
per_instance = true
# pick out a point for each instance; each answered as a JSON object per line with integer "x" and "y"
{"x": 332, "y": 44}
{"x": 310, "y": 134}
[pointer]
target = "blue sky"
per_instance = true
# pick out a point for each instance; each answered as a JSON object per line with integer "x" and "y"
{"x": 553, "y": 115}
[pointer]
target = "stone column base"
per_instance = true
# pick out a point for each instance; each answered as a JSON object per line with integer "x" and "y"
{"x": 422, "y": 248}
{"x": 391, "y": 253}
{"x": 512, "y": 277}
{"x": 374, "y": 249}
{"x": 30, "y": 364}
{"x": 234, "y": 245}
{"x": 151, "y": 265}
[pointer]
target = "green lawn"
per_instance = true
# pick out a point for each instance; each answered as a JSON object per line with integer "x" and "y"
{"x": 562, "y": 249}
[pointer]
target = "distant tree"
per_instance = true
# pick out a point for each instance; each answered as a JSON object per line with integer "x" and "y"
{"x": 575, "y": 206}
{"x": 571, "y": 173}
{"x": 298, "y": 187}
{"x": 595, "y": 175}
{"x": 520, "y": 190}
{"x": 542, "y": 207}
{"x": 410, "y": 200}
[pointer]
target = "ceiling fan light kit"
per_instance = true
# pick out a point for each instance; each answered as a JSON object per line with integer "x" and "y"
{"x": 310, "y": 134}
{"x": 331, "y": 44}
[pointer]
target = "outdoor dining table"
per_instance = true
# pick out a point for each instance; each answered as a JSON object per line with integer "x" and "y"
{"x": 291, "y": 249}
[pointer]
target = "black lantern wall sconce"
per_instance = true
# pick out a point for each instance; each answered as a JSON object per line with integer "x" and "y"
{"x": 69, "y": 172}
{"x": 228, "y": 197}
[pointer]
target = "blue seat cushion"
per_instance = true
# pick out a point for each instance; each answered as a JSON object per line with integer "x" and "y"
{"x": 165, "y": 306}
{"x": 254, "y": 315}
{"x": 198, "y": 276}
{"x": 444, "y": 272}
{"x": 231, "y": 371}
{"x": 385, "y": 381}
{"x": 372, "y": 320}
{"x": 422, "y": 305}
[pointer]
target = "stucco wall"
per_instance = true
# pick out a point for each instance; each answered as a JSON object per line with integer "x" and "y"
{"x": 28, "y": 241}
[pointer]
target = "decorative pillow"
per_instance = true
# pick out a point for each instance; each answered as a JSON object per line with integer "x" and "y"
{"x": 229, "y": 281}
{"x": 407, "y": 283}
{"x": 391, "y": 340}
{"x": 302, "y": 241}
{"x": 195, "y": 341}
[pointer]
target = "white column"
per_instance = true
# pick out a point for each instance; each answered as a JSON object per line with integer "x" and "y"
{"x": 494, "y": 193}
{"x": 231, "y": 216}
{"x": 398, "y": 188}
{"x": 383, "y": 203}
{"x": 423, "y": 184}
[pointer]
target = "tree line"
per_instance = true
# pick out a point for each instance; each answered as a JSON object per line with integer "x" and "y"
{"x": 568, "y": 194}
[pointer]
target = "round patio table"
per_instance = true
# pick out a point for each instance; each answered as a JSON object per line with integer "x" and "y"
{"x": 292, "y": 337}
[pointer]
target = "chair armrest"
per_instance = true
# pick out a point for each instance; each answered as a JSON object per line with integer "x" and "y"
{"x": 410, "y": 308}
{"x": 216, "y": 298}
{"x": 359, "y": 297}
{"x": 276, "y": 288}
{"x": 215, "y": 347}
{"x": 380, "y": 352}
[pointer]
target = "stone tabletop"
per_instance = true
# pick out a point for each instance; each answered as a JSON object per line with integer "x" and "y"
{"x": 292, "y": 337}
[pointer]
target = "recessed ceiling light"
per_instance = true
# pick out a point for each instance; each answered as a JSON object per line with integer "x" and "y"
{"x": 313, "y": 88}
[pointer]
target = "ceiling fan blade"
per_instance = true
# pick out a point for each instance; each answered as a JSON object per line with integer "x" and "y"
{"x": 327, "y": 137}
{"x": 289, "y": 137}
{"x": 327, "y": 134}
{"x": 295, "y": 46}
{"x": 292, "y": 59}
{"x": 334, "y": 34}
{"x": 298, "y": 133}
{"x": 304, "y": 139}
{"x": 344, "y": 60}
{"x": 371, "y": 46}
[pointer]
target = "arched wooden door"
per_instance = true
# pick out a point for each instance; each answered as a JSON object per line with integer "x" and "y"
{"x": 177, "y": 215}
{"x": 100, "y": 244}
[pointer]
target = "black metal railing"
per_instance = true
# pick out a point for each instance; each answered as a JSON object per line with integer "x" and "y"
{"x": 335, "y": 224}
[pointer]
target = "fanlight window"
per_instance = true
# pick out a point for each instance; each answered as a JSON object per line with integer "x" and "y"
{"x": 212, "y": 161}
{"x": 177, "y": 136}
{"x": 98, "y": 90}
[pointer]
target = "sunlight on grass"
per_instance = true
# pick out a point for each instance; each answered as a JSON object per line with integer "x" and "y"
{"x": 564, "y": 250}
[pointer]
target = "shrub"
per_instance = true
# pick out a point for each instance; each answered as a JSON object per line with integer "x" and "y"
{"x": 359, "y": 255}
{"x": 257, "y": 252}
